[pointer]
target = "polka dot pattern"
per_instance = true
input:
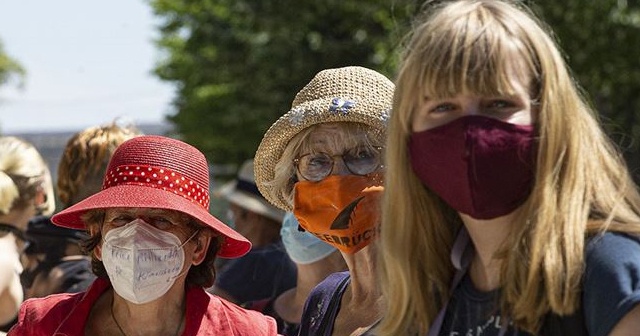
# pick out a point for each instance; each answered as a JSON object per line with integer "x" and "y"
{"x": 160, "y": 178}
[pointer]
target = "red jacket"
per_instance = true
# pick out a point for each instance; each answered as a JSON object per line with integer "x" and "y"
{"x": 66, "y": 314}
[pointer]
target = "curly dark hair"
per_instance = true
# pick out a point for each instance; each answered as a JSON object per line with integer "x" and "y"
{"x": 202, "y": 275}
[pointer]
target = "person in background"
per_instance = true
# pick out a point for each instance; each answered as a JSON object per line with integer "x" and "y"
{"x": 322, "y": 160}
{"x": 509, "y": 211}
{"x": 315, "y": 260}
{"x": 153, "y": 244}
{"x": 26, "y": 190}
{"x": 54, "y": 260}
{"x": 266, "y": 271}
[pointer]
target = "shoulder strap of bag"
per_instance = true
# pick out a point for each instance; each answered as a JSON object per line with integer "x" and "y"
{"x": 460, "y": 258}
{"x": 461, "y": 255}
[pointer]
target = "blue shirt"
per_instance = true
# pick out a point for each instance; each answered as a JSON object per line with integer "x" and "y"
{"x": 262, "y": 273}
{"x": 611, "y": 288}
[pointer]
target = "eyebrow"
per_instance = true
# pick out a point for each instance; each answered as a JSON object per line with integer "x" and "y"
{"x": 150, "y": 212}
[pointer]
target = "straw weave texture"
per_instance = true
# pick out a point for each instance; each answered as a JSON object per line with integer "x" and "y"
{"x": 160, "y": 154}
{"x": 349, "y": 94}
{"x": 157, "y": 151}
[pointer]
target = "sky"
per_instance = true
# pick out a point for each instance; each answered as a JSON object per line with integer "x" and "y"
{"x": 87, "y": 63}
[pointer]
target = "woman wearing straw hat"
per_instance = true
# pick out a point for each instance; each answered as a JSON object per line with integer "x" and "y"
{"x": 322, "y": 160}
{"x": 153, "y": 245}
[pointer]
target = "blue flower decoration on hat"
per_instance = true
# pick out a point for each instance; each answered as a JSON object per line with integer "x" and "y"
{"x": 342, "y": 106}
{"x": 386, "y": 114}
{"x": 297, "y": 117}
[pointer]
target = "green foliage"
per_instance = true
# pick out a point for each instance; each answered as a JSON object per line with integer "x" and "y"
{"x": 9, "y": 67}
{"x": 601, "y": 39}
{"x": 239, "y": 63}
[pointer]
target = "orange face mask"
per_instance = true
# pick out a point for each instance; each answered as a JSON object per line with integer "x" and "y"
{"x": 343, "y": 211}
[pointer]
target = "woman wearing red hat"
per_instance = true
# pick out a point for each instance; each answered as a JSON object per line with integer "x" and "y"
{"x": 153, "y": 244}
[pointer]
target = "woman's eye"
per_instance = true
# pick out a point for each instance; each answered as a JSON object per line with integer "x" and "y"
{"x": 120, "y": 220}
{"x": 441, "y": 108}
{"x": 318, "y": 161}
{"x": 362, "y": 153}
{"x": 161, "y": 222}
{"x": 500, "y": 104}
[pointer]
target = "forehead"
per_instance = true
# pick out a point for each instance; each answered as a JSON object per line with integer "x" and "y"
{"x": 512, "y": 81}
{"x": 145, "y": 212}
{"x": 335, "y": 137}
{"x": 508, "y": 76}
{"x": 513, "y": 76}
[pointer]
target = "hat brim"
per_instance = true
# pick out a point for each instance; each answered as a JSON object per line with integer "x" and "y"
{"x": 347, "y": 94}
{"x": 286, "y": 127}
{"x": 250, "y": 202}
{"x": 136, "y": 196}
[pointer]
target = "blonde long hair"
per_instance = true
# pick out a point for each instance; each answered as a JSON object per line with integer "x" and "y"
{"x": 22, "y": 172}
{"x": 582, "y": 184}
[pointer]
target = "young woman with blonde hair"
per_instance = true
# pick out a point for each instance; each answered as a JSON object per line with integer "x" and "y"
{"x": 508, "y": 211}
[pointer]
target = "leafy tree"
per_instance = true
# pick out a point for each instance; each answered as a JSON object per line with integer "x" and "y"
{"x": 601, "y": 39}
{"x": 8, "y": 67}
{"x": 239, "y": 63}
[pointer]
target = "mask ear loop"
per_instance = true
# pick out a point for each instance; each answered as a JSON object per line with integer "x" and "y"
{"x": 461, "y": 254}
{"x": 190, "y": 237}
{"x": 181, "y": 245}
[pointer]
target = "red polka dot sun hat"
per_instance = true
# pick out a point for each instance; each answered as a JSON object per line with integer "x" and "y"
{"x": 157, "y": 172}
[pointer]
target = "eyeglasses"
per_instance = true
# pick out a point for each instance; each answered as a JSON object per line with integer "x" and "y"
{"x": 359, "y": 161}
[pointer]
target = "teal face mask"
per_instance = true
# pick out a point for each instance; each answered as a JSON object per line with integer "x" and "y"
{"x": 302, "y": 246}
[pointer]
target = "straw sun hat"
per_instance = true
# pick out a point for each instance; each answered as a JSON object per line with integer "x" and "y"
{"x": 351, "y": 94}
{"x": 157, "y": 172}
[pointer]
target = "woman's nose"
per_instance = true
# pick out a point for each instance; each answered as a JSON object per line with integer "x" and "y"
{"x": 471, "y": 108}
{"x": 339, "y": 167}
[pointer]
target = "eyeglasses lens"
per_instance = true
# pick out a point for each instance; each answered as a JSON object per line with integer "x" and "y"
{"x": 359, "y": 161}
{"x": 315, "y": 167}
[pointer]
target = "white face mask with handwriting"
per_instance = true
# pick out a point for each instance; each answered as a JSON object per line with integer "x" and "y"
{"x": 142, "y": 262}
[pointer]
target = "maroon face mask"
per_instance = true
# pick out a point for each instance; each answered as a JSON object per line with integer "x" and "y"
{"x": 480, "y": 166}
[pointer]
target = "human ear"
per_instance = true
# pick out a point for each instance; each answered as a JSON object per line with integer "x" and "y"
{"x": 97, "y": 251}
{"x": 203, "y": 240}
{"x": 41, "y": 196}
